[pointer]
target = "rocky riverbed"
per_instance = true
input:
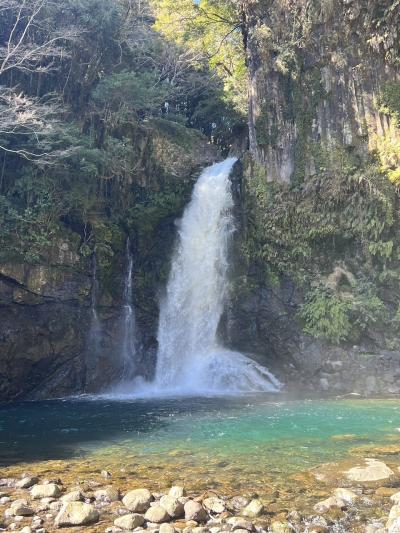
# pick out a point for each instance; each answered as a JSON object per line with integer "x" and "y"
{"x": 358, "y": 494}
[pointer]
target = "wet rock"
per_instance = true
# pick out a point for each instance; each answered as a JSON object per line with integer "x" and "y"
{"x": 73, "y": 496}
{"x": 173, "y": 506}
{"x": 26, "y": 482}
{"x": 176, "y": 492}
{"x": 76, "y": 514}
{"x": 238, "y": 503}
{"x": 129, "y": 521}
{"x": 216, "y": 505}
{"x": 195, "y": 511}
{"x": 137, "y": 500}
{"x": 157, "y": 515}
{"x": 280, "y": 527}
{"x": 332, "y": 502}
{"x": 108, "y": 494}
{"x": 373, "y": 471}
{"x": 253, "y": 509}
{"x": 347, "y": 495}
{"x": 238, "y": 522}
{"x": 51, "y": 490}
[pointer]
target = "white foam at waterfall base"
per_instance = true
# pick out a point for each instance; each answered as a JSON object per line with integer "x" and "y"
{"x": 190, "y": 359}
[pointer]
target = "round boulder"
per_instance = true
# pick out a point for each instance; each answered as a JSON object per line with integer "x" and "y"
{"x": 76, "y": 514}
{"x": 157, "y": 515}
{"x": 129, "y": 521}
{"x": 195, "y": 511}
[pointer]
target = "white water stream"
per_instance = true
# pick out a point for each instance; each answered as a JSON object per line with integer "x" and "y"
{"x": 190, "y": 358}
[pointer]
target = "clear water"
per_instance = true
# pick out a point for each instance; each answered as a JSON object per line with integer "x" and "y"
{"x": 202, "y": 441}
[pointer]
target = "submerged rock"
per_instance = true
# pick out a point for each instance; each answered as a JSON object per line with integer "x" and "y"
{"x": 137, "y": 500}
{"x": 373, "y": 471}
{"x": 347, "y": 495}
{"x": 76, "y": 514}
{"x": 325, "y": 505}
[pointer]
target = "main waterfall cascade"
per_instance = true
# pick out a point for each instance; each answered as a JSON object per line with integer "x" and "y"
{"x": 190, "y": 359}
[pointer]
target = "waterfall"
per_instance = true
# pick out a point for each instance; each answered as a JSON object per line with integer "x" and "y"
{"x": 129, "y": 334}
{"x": 190, "y": 358}
{"x": 94, "y": 337}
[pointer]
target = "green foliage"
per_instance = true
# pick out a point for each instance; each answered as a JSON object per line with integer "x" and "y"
{"x": 130, "y": 92}
{"x": 326, "y": 315}
{"x": 212, "y": 30}
{"x": 347, "y": 213}
{"x": 146, "y": 214}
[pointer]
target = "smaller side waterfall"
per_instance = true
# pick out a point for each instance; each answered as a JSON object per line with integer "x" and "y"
{"x": 129, "y": 348}
{"x": 94, "y": 337}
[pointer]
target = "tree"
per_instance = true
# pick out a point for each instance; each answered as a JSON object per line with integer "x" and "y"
{"x": 30, "y": 44}
{"x": 213, "y": 31}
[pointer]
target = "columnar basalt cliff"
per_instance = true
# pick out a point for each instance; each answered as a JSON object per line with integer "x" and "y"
{"x": 317, "y": 71}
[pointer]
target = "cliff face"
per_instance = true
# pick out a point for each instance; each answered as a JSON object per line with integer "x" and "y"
{"x": 317, "y": 295}
{"x": 316, "y": 74}
{"x": 46, "y": 347}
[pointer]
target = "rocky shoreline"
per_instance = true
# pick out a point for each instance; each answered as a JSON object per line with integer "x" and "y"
{"x": 355, "y": 495}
